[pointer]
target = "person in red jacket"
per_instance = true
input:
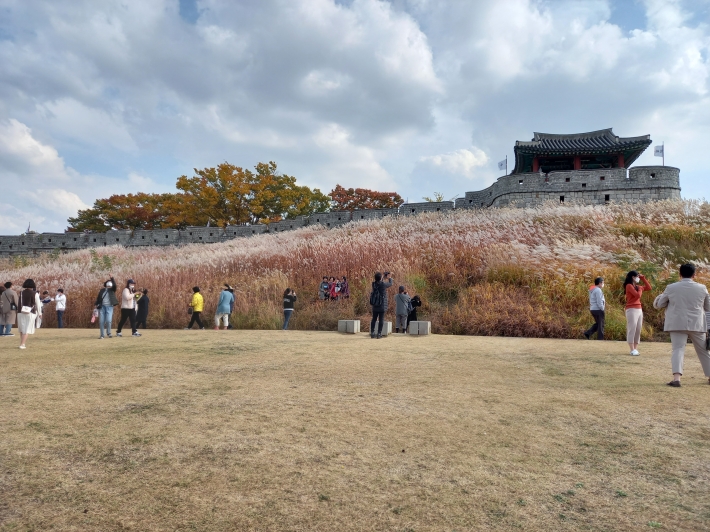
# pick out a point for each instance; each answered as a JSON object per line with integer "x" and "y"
{"x": 634, "y": 313}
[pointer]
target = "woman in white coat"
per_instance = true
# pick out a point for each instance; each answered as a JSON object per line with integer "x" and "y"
{"x": 28, "y": 309}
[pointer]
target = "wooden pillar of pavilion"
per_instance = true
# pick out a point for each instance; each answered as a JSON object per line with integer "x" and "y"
{"x": 577, "y": 162}
{"x": 536, "y": 164}
{"x": 621, "y": 161}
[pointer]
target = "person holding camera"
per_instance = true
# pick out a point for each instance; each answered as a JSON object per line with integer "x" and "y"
{"x": 289, "y": 300}
{"x": 378, "y": 300}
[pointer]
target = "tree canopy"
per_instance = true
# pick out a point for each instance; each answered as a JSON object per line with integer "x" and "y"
{"x": 221, "y": 196}
{"x": 363, "y": 198}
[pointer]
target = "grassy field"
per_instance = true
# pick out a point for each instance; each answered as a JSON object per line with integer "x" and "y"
{"x": 304, "y": 431}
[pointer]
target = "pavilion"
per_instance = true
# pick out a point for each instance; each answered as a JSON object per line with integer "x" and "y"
{"x": 580, "y": 151}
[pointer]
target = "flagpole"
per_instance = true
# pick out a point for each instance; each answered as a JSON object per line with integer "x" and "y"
{"x": 506, "y": 165}
{"x": 664, "y": 152}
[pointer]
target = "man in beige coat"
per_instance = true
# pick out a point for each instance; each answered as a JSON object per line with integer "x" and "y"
{"x": 686, "y": 303}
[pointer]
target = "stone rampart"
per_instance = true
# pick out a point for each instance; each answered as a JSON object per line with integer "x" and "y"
{"x": 638, "y": 184}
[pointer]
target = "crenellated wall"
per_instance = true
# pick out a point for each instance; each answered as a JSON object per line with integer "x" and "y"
{"x": 638, "y": 184}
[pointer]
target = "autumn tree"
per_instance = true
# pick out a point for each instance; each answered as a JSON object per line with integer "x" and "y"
{"x": 348, "y": 199}
{"x": 125, "y": 211}
{"x": 437, "y": 197}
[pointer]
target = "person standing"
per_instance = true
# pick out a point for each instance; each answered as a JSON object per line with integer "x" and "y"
{"x": 378, "y": 300}
{"x": 344, "y": 288}
{"x": 142, "y": 314}
{"x": 412, "y": 316}
{"x": 44, "y": 300}
{"x": 323, "y": 289}
{"x": 60, "y": 301}
{"x": 403, "y": 304}
{"x": 289, "y": 300}
{"x": 634, "y": 312}
{"x": 597, "y": 306}
{"x": 196, "y": 305}
{"x": 8, "y": 309}
{"x": 30, "y": 307}
{"x": 686, "y": 303}
{"x": 104, "y": 303}
{"x": 128, "y": 308}
{"x": 223, "y": 305}
{"x": 231, "y": 306}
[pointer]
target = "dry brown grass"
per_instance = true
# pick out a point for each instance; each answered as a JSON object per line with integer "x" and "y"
{"x": 264, "y": 430}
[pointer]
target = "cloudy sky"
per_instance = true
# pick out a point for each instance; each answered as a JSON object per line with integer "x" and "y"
{"x": 415, "y": 96}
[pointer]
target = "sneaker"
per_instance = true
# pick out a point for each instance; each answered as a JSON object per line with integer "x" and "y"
{"x": 674, "y": 384}
{"x": 379, "y": 336}
{"x": 110, "y": 336}
{"x": 202, "y": 328}
{"x": 186, "y": 328}
{"x": 586, "y": 336}
{"x": 635, "y": 353}
{"x": 136, "y": 334}
{"x": 101, "y": 337}
{"x": 372, "y": 335}
{"x": 119, "y": 335}
{"x": 23, "y": 347}
{"x": 10, "y": 334}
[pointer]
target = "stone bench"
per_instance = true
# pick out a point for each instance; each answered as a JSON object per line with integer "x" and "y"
{"x": 349, "y": 326}
{"x": 386, "y": 328}
{"x": 419, "y": 328}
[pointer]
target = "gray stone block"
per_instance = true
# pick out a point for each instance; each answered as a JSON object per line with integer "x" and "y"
{"x": 349, "y": 326}
{"x": 419, "y": 328}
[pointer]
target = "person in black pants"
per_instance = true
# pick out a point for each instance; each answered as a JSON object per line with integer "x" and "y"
{"x": 378, "y": 300}
{"x": 416, "y": 302}
{"x": 128, "y": 308}
{"x": 142, "y": 314}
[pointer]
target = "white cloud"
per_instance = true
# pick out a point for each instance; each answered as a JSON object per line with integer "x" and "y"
{"x": 462, "y": 162}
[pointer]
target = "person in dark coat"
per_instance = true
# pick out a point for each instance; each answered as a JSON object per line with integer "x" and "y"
{"x": 416, "y": 302}
{"x": 142, "y": 314}
{"x": 379, "y": 290}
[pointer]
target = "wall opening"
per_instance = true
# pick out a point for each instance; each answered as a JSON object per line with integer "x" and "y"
{"x": 562, "y": 199}
{"x": 606, "y": 198}
{"x": 653, "y": 176}
{"x": 566, "y": 179}
{"x": 602, "y": 178}
{"x": 520, "y": 181}
{"x": 584, "y": 185}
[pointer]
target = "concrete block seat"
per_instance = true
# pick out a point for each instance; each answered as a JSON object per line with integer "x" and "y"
{"x": 419, "y": 328}
{"x": 349, "y": 326}
{"x": 386, "y": 328}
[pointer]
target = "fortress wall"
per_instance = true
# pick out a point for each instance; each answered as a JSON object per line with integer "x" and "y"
{"x": 639, "y": 184}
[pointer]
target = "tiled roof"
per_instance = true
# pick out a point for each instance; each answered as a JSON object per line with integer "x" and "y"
{"x": 595, "y": 141}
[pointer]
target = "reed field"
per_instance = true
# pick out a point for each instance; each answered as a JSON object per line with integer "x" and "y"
{"x": 318, "y": 431}
{"x": 504, "y": 272}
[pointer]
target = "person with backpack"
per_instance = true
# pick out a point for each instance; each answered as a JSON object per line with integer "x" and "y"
{"x": 416, "y": 302}
{"x": 29, "y": 307}
{"x": 104, "y": 303}
{"x": 378, "y": 300}
{"x": 403, "y": 306}
{"x": 195, "y": 309}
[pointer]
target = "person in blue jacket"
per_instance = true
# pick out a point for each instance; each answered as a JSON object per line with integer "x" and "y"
{"x": 223, "y": 308}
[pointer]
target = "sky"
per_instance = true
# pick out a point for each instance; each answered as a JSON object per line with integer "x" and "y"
{"x": 413, "y": 96}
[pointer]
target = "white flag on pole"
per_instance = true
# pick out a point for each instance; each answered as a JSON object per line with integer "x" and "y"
{"x": 502, "y": 164}
{"x": 658, "y": 151}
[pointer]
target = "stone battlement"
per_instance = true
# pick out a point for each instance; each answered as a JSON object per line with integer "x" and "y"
{"x": 638, "y": 184}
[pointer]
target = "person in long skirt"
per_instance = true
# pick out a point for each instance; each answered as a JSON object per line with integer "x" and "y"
{"x": 28, "y": 299}
{"x": 634, "y": 313}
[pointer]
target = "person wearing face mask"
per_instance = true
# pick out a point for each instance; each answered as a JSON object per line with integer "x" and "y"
{"x": 634, "y": 313}
{"x": 597, "y": 305}
{"x": 128, "y": 308}
{"x": 105, "y": 302}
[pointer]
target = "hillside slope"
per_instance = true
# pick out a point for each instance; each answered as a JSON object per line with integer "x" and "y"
{"x": 513, "y": 272}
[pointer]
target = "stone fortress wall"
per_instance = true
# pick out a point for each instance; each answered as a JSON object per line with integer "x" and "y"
{"x": 638, "y": 184}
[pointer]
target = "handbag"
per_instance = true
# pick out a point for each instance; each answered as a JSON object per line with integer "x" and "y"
{"x": 25, "y": 309}
{"x": 94, "y": 315}
{"x": 189, "y": 310}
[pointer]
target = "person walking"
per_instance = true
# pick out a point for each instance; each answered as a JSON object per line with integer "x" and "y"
{"x": 597, "y": 306}
{"x": 30, "y": 307}
{"x": 8, "y": 309}
{"x": 289, "y": 300}
{"x": 142, "y": 314}
{"x": 412, "y": 316}
{"x": 686, "y": 303}
{"x": 223, "y": 305}
{"x": 45, "y": 299}
{"x": 231, "y": 307}
{"x": 403, "y": 304}
{"x": 634, "y": 312}
{"x": 104, "y": 303}
{"x": 378, "y": 300}
{"x": 196, "y": 306}
{"x": 60, "y": 306}
{"x": 128, "y": 308}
